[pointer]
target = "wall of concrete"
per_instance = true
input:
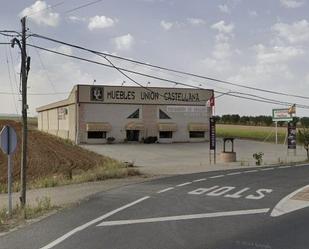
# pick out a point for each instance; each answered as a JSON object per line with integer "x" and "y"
{"x": 116, "y": 115}
{"x": 59, "y": 125}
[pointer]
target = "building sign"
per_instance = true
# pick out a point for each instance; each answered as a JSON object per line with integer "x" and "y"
{"x": 212, "y": 134}
{"x": 97, "y": 93}
{"x": 139, "y": 95}
{"x": 291, "y": 136}
{"x": 185, "y": 109}
{"x": 282, "y": 115}
{"x": 62, "y": 112}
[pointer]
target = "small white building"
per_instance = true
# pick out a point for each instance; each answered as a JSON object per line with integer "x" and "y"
{"x": 93, "y": 114}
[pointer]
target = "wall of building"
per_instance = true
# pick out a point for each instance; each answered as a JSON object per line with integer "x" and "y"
{"x": 111, "y": 106}
{"x": 58, "y": 121}
{"x": 117, "y": 117}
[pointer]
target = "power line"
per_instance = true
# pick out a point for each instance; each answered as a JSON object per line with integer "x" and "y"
{"x": 82, "y": 6}
{"x": 35, "y": 94}
{"x": 10, "y": 80}
{"x": 44, "y": 9}
{"x": 250, "y": 95}
{"x": 15, "y": 79}
{"x": 270, "y": 101}
{"x": 172, "y": 70}
{"x": 44, "y": 68}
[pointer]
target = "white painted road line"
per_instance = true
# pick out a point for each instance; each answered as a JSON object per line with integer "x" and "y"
{"x": 184, "y": 184}
{"x": 218, "y": 176}
{"x": 92, "y": 222}
{"x": 288, "y": 205}
{"x": 234, "y": 173}
{"x": 184, "y": 217}
{"x": 284, "y": 167}
{"x": 165, "y": 190}
{"x": 200, "y": 180}
{"x": 251, "y": 171}
{"x": 267, "y": 169}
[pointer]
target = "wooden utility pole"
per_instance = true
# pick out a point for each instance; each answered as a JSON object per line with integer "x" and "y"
{"x": 23, "y": 167}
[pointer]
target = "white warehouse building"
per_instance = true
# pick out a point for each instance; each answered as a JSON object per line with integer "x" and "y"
{"x": 95, "y": 114}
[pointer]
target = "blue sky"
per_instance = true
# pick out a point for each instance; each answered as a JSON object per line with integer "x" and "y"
{"x": 255, "y": 43}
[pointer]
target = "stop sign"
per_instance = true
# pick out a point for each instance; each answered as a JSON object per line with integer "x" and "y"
{"x": 8, "y": 140}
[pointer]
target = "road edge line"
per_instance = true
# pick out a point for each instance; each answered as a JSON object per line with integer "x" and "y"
{"x": 92, "y": 222}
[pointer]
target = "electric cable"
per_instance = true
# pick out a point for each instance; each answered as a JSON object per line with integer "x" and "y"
{"x": 171, "y": 70}
{"x": 167, "y": 80}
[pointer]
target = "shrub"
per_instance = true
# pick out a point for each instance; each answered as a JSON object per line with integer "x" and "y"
{"x": 258, "y": 158}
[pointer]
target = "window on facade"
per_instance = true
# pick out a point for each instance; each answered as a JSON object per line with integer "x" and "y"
{"x": 96, "y": 134}
{"x": 197, "y": 134}
{"x": 166, "y": 134}
{"x": 134, "y": 114}
{"x": 163, "y": 115}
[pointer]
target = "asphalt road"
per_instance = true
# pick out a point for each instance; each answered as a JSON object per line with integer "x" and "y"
{"x": 215, "y": 210}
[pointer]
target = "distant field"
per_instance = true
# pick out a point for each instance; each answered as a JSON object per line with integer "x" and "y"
{"x": 259, "y": 133}
{"x": 32, "y": 121}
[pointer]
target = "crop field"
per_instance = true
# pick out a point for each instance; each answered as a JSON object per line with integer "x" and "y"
{"x": 259, "y": 133}
{"x": 51, "y": 158}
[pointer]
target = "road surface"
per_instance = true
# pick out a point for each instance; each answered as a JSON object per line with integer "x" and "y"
{"x": 235, "y": 209}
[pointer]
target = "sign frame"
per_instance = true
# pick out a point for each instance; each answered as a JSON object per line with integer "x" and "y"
{"x": 288, "y": 117}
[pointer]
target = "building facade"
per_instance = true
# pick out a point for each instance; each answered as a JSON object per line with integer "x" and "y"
{"x": 97, "y": 114}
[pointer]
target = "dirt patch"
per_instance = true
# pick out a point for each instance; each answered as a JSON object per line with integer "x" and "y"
{"x": 49, "y": 156}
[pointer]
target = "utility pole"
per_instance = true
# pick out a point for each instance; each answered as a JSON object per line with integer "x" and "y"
{"x": 24, "y": 72}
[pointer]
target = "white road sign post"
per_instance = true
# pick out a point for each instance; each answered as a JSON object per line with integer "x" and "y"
{"x": 281, "y": 115}
{"x": 8, "y": 144}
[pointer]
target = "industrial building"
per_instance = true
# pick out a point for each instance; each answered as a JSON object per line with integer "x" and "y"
{"x": 95, "y": 114}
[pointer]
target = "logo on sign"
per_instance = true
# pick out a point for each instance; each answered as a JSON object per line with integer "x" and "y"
{"x": 97, "y": 93}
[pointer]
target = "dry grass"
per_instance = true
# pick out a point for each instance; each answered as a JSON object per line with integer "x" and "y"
{"x": 53, "y": 161}
{"x": 43, "y": 205}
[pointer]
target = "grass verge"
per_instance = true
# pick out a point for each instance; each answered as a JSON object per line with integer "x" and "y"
{"x": 111, "y": 170}
{"x": 42, "y": 206}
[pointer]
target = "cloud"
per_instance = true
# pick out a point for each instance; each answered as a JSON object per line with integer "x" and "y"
{"x": 220, "y": 59}
{"x": 222, "y": 50}
{"x": 77, "y": 19}
{"x": 166, "y": 25}
{"x": 100, "y": 22}
{"x": 222, "y": 27}
{"x": 294, "y": 33}
{"x": 271, "y": 64}
{"x": 276, "y": 54}
{"x": 124, "y": 42}
{"x": 291, "y": 3}
{"x": 41, "y": 14}
{"x": 253, "y": 13}
{"x": 224, "y": 8}
{"x": 196, "y": 21}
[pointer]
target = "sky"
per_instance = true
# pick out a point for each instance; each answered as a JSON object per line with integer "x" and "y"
{"x": 260, "y": 44}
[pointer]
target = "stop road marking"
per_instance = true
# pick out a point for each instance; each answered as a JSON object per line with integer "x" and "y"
{"x": 232, "y": 192}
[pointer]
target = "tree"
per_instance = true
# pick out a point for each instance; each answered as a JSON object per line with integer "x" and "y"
{"x": 304, "y": 121}
{"x": 304, "y": 138}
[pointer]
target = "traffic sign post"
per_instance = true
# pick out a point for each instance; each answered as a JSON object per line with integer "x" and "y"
{"x": 8, "y": 144}
{"x": 284, "y": 115}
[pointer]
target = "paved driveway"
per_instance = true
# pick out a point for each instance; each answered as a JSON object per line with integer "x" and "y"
{"x": 183, "y": 158}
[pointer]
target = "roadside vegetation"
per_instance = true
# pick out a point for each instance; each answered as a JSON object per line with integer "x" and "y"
{"x": 261, "y": 120}
{"x": 54, "y": 161}
{"x": 42, "y": 206}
